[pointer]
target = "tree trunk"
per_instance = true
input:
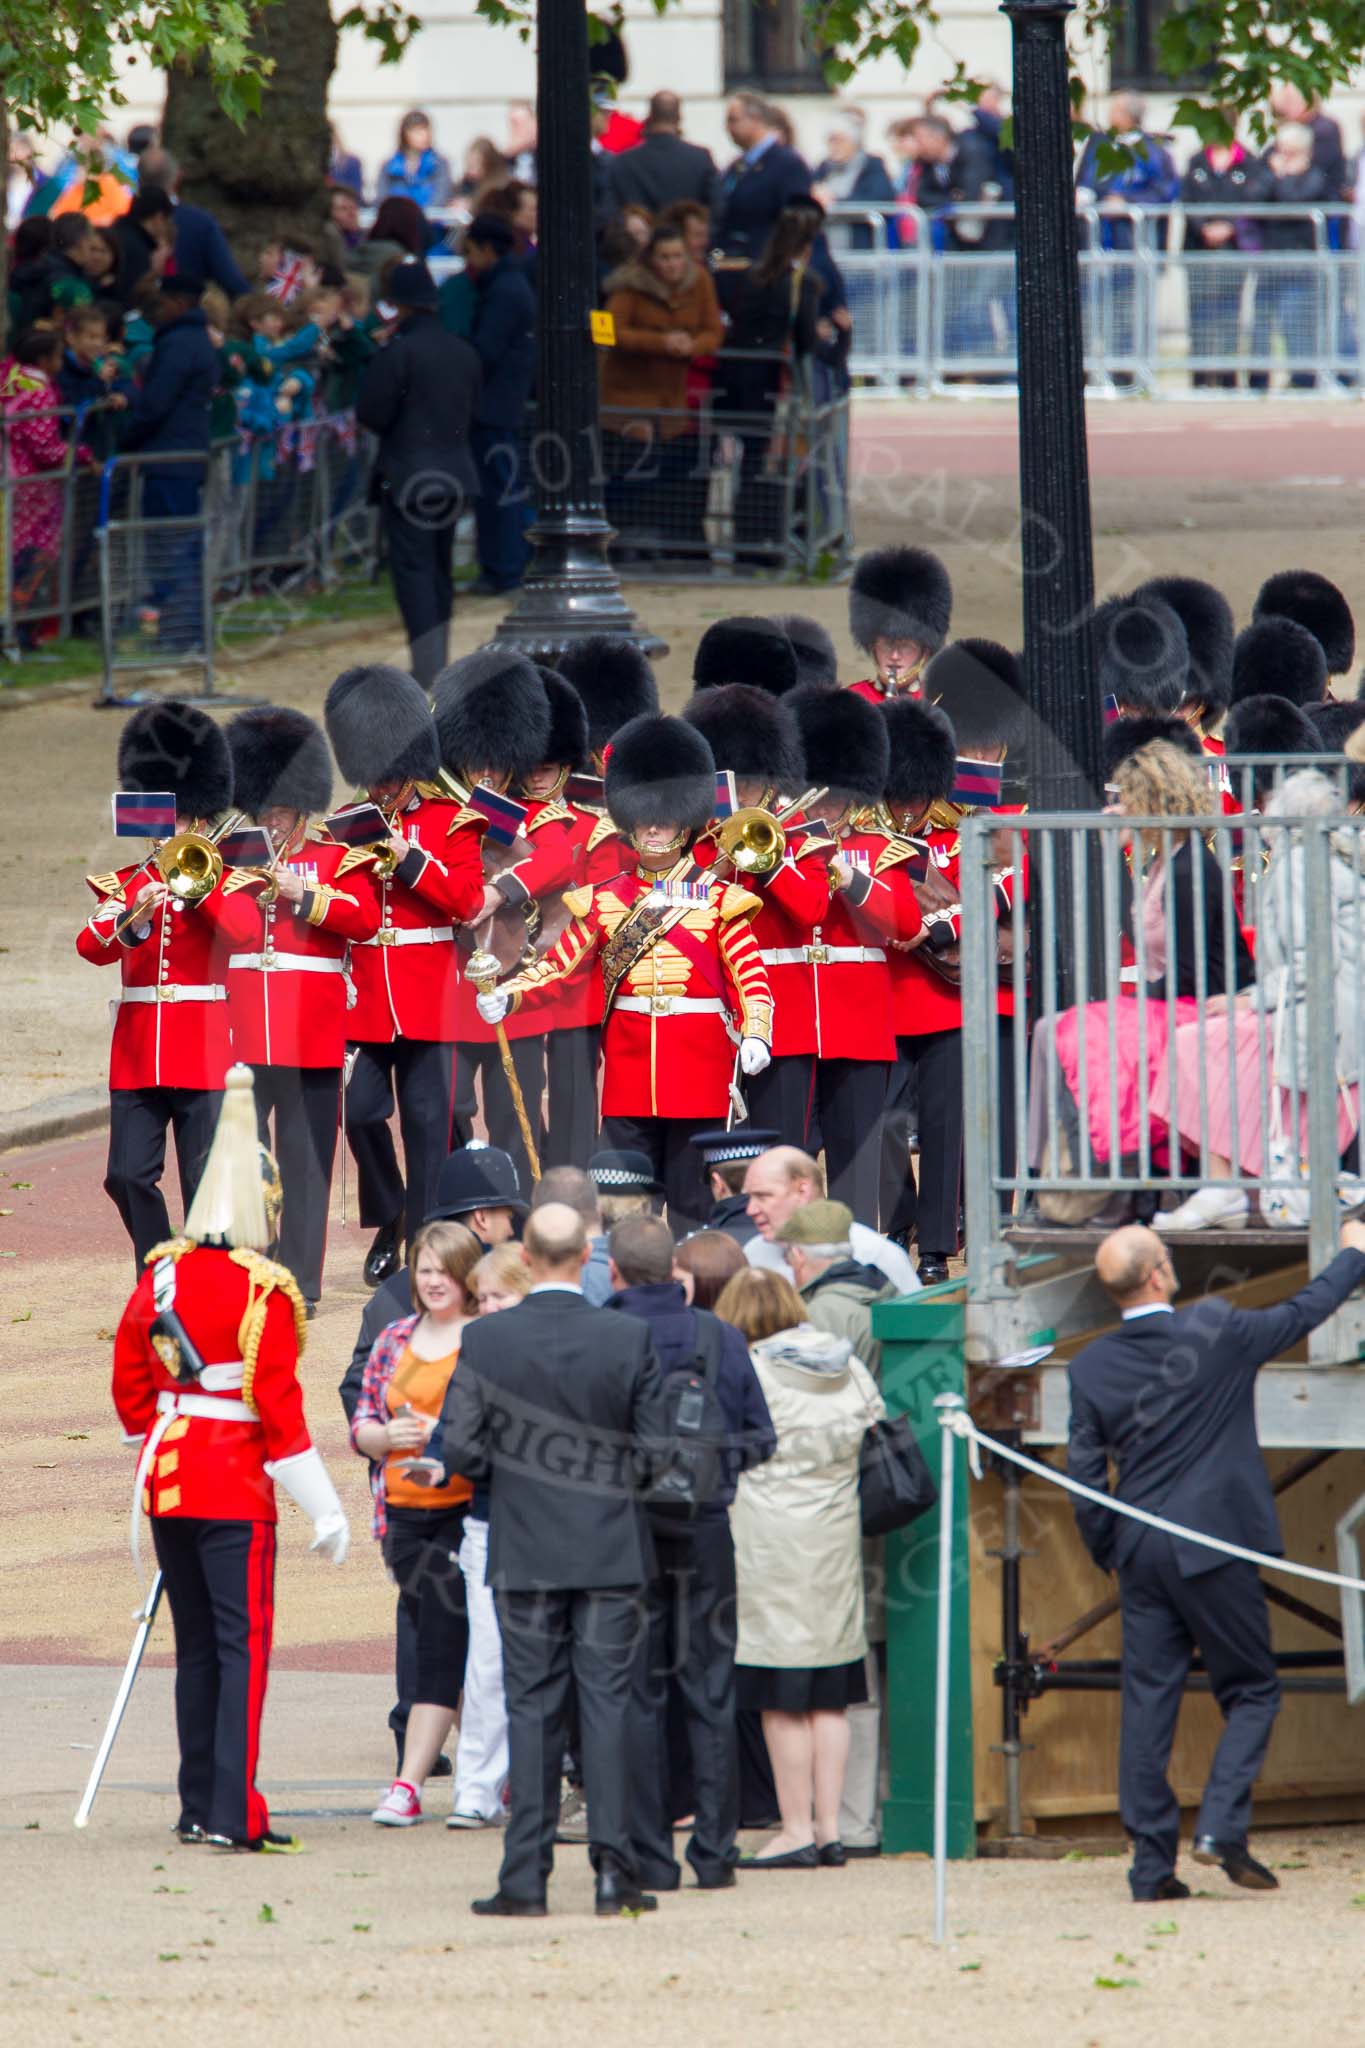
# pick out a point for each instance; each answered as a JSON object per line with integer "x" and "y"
{"x": 268, "y": 179}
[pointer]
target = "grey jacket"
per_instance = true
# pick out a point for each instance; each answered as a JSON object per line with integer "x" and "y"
{"x": 1290, "y": 972}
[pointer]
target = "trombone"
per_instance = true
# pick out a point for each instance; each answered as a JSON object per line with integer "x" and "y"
{"x": 752, "y": 839}
{"x": 190, "y": 864}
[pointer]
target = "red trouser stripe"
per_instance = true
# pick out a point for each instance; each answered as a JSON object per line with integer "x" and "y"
{"x": 260, "y": 1587}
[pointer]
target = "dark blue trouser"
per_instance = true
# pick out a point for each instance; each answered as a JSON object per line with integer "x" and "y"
{"x": 503, "y": 508}
{"x": 175, "y": 560}
{"x": 1166, "y": 1618}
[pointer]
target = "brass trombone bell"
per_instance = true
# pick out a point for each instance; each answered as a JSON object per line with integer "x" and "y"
{"x": 190, "y": 865}
{"x": 752, "y": 841}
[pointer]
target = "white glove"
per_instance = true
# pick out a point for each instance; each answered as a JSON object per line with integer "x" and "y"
{"x": 754, "y": 1056}
{"x": 305, "y": 1479}
{"x": 492, "y": 1006}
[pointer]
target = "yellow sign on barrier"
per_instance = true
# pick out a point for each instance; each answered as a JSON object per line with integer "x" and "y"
{"x": 603, "y": 329}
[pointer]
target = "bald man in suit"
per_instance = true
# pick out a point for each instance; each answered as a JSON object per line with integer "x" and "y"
{"x": 1170, "y": 1397}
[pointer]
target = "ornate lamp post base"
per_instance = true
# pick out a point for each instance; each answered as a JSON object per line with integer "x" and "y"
{"x": 570, "y": 589}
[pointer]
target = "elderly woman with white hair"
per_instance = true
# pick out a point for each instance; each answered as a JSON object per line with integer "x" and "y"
{"x": 851, "y": 178}
{"x": 1242, "y": 1075}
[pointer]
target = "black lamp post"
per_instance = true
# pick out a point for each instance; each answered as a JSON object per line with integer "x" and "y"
{"x": 1065, "y": 729}
{"x": 570, "y": 588}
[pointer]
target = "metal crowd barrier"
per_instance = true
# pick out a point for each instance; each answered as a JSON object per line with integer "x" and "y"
{"x": 1108, "y": 1109}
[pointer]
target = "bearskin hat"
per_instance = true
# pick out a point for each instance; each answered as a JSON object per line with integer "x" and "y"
{"x": 1268, "y": 725}
{"x": 1142, "y": 657}
{"x": 380, "y": 725}
{"x": 1311, "y": 601}
{"x": 845, "y": 740}
{"x": 279, "y": 757}
{"x": 175, "y": 746}
{"x": 491, "y": 713}
{"x": 752, "y": 734}
{"x": 1124, "y": 736}
{"x": 1334, "y": 721}
{"x": 816, "y": 660}
{"x": 900, "y": 594}
{"x": 1276, "y": 657}
{"x": 979, "y": 687}
{"x": 661, "y": 772}
{"x": 1210, "y": 634}
{"x": 614, "y": 680}
{"x": 923, "y": 751}
{"x": 568, "y": 741}
{"x": 746, "y": 650}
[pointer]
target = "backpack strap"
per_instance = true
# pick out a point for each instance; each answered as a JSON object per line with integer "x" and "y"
{"x": 708, "y": 1345}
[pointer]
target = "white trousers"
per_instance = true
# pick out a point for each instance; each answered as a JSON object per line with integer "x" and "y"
{"x": 481, "y": 1755}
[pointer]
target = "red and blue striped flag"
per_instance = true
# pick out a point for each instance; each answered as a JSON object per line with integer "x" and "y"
{"x": 727, "y": 802}
{"x": 139, "y": 814}
{"x": 504, "y": 814}
{"x": 977, "y": 784}
{"x": 1111, "y": 709}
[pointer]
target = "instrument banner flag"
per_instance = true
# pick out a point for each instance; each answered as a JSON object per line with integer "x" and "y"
{"x": 141, "y": 816}
{"x": 358, "y": 825}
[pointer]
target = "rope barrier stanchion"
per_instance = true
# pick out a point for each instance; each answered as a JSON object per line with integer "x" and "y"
{"x": 951, "y": 1413}
{"x": 956, "y": 1422}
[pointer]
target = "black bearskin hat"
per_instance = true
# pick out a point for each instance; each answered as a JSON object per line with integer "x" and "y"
{"x": 900, "y": 594}
{"x": 746, "y": 650}
{"x": 568, "y": 741}
{"x": 845, "y": 741}
{"x": 1268, "y": 725}
{"x": 1210, "y": 633}
{"x": 1124, "y": 736}
{"x": 1312, "y": 601}
{"x": 279, "y": 757}
{"x": 1141, "y": 654}
{"x": 380, "y": 725}
{"x": 492, "y": 713}
{"x": 816, "y": 660}
{"x": 661, "y": 772}
{"x": 614, "y": 680}
{"x": 923, "y": 751}
{"x": 1275, "y": 657}
{"x": 979, "y": 687}
{"x": 1334, "y": 721}
{"x": 751, "y": 734}
{"x": 175, "y": 746}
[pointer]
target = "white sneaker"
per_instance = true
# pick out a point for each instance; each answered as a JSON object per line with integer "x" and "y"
{"x": 399, "y": 1808}
{"x": 1206, "y": 1209}
{"x": 476, "y": 1820}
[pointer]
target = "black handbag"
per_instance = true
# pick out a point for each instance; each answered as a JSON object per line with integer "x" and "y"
{"x": 895, "y": 1485}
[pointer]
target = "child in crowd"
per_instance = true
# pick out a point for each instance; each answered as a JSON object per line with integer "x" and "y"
{"x": 500, "y": 1280}
{"x": 91, "y": 376}
{"x": 32, "y": 446}
{"x": 139, "y": 335}
{"x": 276, "y": 388}
{"x": 353, "y": 341}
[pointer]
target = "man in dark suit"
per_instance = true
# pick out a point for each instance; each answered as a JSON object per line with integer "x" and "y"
{"x": 419, "y": 396}
{"x": 561, "y": 1406}
{"x": 201, "y": 247}
{"x": 1170, "y": 1396}
{"x": 764, "y": 178}
{"x": 503, "y": 337}
{"x": 662, "y": 168}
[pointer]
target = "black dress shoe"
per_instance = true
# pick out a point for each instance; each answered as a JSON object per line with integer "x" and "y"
{"x": 833, "y": 1856}
{"x": 790, "y": 1859}
{"x": 268, "y": 1844}
{"x": 717, "y": 1880}
{"x": 932, "y": 1271}
{"x": 1238, "y": 1865}
{"x": 382, "y": 1260}
{"x": 617, "y": 1893}
{"x": 665, "y": 1880}
{"x": 500, "y": 1906}
{"x": 1167, "y": 1888}
{"x": 189, "y": 1832}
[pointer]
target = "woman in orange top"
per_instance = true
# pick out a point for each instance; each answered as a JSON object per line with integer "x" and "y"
{"x": 419, "y": 1527}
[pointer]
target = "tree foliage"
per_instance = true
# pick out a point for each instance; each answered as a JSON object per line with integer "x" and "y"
{"x": 62, "y": 61}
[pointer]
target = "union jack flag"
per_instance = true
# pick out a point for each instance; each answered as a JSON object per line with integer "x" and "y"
{"x": 290, "y": 275}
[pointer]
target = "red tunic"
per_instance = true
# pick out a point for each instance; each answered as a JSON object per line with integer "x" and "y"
{"x": 875, "y": 691}
{"x": 555, "y": 835}
{"x": 921, "y": 1000}
{"x": 171, "y": 1023}
{"x": 287, "y": 988}
{"x": 405, "y": 984}
{"x": 244, "y": 1314}
{"x": 851, "y": 977}
{"x": 793, "y": 900}
{"x": 667, "y": 1046}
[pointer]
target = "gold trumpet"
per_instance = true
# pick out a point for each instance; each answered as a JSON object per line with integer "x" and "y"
{"x": 752, "y": 841}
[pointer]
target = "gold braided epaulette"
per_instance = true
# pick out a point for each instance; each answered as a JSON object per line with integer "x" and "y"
{"x": 604, "y": 829}
{"x": 354, "y": 857}
{"x": 734, "y": 901}
{"x": 578, "y": 902}
{"x": 107, "y": 886}
{"x": 896, "y": 851}
{"x": 556, "y": 811}
{"x": 173, "y": 1248}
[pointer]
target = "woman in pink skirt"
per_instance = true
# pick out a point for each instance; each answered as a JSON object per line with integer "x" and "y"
{"x": 1241, "y": 1074}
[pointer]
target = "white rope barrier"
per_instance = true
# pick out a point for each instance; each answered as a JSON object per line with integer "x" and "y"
{"x": 960, "y": 1423}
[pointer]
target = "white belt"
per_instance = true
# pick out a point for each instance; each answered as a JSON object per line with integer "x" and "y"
{"x": 169, "y": 1404}
{"x": 175, "y": 992}
{"x": 817, "y": 956}
{"x": 292, "y": 963}
{"x": 672, "y": 1006}
{"x": 417, "y": 935}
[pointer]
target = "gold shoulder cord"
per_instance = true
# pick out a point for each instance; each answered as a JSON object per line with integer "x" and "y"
{"x": 263, "y": 1277}
{"x": 173, "y": 1248}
